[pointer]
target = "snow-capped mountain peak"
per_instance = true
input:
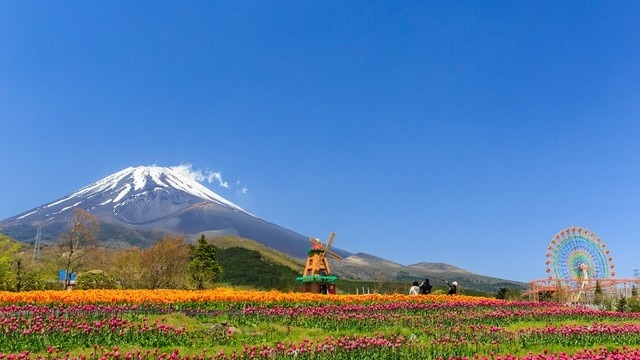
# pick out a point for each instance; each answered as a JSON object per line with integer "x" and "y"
{"x": 151, "y": 177}
{"x": 172, "y": 188}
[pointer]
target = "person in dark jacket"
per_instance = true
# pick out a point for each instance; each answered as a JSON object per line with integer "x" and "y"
{"x": 453, "y": 287}
{"x": 425, "y": 287}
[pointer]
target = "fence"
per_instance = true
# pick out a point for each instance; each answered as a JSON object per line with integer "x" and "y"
{"x": 583, "y": 291}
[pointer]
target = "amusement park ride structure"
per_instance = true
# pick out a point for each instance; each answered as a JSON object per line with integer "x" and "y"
{"x": 580, "y": 270}
{"x": 316, "y": 276}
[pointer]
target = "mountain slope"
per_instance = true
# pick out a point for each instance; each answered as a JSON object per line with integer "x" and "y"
{"x": 139, "y": 202}
{"x": 365, "y": 267}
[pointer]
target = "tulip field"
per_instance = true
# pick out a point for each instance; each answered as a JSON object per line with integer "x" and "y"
{"x": 239, "y": 324}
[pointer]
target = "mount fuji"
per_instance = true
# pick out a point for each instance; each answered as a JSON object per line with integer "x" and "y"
{"x": 137, "y": 204}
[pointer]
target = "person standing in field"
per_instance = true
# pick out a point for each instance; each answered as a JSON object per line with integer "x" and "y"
{"x": 453, "y": 287}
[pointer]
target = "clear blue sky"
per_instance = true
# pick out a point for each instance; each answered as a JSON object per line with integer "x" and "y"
{"x": 461, "y": 132}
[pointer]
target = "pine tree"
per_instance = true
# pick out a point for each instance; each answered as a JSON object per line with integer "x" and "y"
{"x": 203, "y": 267}
{"x": 598, "y": 296}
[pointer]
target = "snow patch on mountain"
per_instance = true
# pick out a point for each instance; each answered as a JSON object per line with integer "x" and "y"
{"x": 69, "y": 207}
{"x": 27, "y": 214}
{"x": 123, "y": 193}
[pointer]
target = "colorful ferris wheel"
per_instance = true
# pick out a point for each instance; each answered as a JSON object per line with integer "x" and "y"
{"x": 577, "y": 253}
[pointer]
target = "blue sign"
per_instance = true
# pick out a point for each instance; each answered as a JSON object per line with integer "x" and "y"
{"x": 62, "y": 275}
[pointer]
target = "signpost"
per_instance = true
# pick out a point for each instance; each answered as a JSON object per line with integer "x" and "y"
{"x": 71, "y": 279}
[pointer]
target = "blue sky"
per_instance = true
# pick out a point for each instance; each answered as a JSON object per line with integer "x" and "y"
{"x": 468, "y": 133}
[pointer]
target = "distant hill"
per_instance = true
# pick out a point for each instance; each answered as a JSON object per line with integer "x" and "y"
{"x": 378, "y": 273}
{"x": 365, "y": 267}
{"x": 437, "y": 267}
{"x": 250, "y": 268}
{"x": 267, "y": 253}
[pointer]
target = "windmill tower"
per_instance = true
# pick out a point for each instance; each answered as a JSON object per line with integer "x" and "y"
{"x": 316, "y": 276}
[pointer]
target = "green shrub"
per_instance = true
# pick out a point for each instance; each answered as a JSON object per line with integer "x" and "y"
{"x": 96, "y": 279}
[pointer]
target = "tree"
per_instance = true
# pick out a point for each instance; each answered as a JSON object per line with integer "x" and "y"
{"x": 622, "y": 304}
{"x": 37, "y": 275}
{"x": 20, "y": 270}
{"x": 126, "y": 267}
{"x": 508, "y": 294}
{"x": 76, "y": 244}
{"x": 166, "y": 264}
{"x": 598, "y": 296}
{"x": 203, "y": 267}
{"x": 8, "y": 250}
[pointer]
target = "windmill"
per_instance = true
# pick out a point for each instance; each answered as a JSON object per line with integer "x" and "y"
{"x": 316, "y": 276}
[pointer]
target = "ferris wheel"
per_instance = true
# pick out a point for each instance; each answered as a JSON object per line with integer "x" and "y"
{"x": 577, "y": 253}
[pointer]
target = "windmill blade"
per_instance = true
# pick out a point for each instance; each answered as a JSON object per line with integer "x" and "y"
{"x": 332, "y": 237}
{"x": 336, "y": 257}
{"x": 333, "y": 255}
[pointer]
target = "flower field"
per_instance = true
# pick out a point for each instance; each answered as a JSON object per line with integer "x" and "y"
{"x": 230, "y": 324}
